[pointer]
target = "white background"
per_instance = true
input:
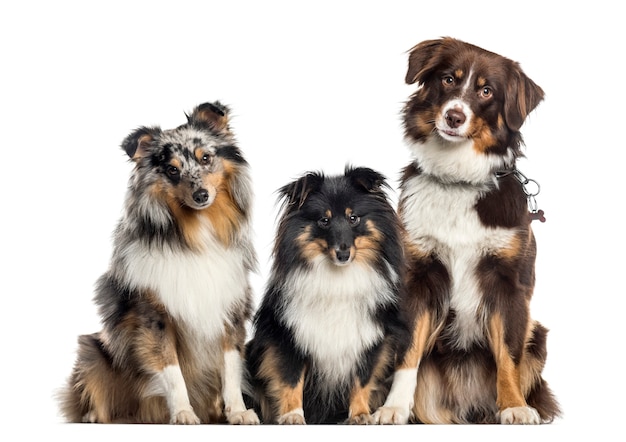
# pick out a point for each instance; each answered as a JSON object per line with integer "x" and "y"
{"x": 312, "y": 85}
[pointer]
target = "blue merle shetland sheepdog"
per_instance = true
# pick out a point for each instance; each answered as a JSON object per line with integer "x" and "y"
{"x": 176, "y": 299}
{"x": 328, "y": 327}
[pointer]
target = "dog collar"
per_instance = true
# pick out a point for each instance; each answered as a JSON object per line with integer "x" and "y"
{"x": 530, "y": 187}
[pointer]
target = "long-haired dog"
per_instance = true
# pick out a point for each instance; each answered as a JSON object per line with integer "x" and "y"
{"x": 476, "y": 355}
{"x": 328, "y": 326}
{"x": 176, "y": 299}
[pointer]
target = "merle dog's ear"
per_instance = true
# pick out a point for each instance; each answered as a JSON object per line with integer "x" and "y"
{"x": 137, "y": 143}
{"x": 521, "y": 96}
{"x": 295, "y": 193}
{"x": 368, "y": 179}
{"x": 212, "y": 116}
{"x": 423, "y": 58}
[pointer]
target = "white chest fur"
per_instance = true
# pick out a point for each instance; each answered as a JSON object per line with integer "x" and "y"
{"x": 330, "y": 308}
{"x": 441, "y": 218}
{"x": 198, "y": 288}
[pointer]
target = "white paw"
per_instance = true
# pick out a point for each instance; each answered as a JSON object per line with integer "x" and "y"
{"x": 391, "y": 416}
{"x": 185, "y": 417}
{"x": 90, "y": 417}
{"x": 520, "y": 415}
{"x": 292, "y": 418}
{"x": 246, "y": 417}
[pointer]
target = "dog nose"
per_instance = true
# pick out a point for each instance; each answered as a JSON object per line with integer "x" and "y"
{"x": 201, "y": 196}
{"x": 343, "y": 253}
{"x": 454, "y": 118}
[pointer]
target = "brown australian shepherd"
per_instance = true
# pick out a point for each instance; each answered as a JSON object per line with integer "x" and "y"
{"x": 476, "y": 356}
{"x": 175, "y": 300}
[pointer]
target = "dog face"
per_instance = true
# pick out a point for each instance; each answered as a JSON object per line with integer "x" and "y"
{"x": 339, "y": 218}
{"x": 467, "y": 94}
{"x": 182, "y": 164}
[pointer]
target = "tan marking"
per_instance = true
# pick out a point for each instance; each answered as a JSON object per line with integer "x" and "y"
{"x": 224, "y": 214}
{"x": 142, "y": 145}
{"x": 310, "y": 248}
{"x": 482, "y": 135}
{"x": 199, "y": 153}
{"x": 422, "y": 341}
{"x": 359, "y": 400}
{"x": 368, "y": 246}
{"x": 481, "y": 81}
{"x": 364, "y": 398}
{"x": 513, "y": 249}
{"x": 285, "y": 398}
{"x": 459, "y": 73}
{"x": 508, "y": 385}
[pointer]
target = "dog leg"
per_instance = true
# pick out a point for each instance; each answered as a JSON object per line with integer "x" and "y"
{"x": 290, "y": 411}
{"x": 359, "y": 411}
{"x": 171, "y": 383}
{"x": 399, "y": 402}
{"x": 234, "y": 406}
{"x": 510, "y": 399}
{"x": 159, "y": 354}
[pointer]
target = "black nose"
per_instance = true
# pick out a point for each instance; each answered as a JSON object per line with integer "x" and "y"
{"x": 455, "y": 118}
{"x": 343, "y": 253}
{"x": 201, "y": 196}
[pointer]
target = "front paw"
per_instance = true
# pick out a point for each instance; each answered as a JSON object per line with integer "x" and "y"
{"x": 520, "y": 415}
{"x": 185, "y": 417}
{"x": 391, "y": 416}
{"x": 246, "y": 417}
{"x": 292, "y": 418}
{"x": 360, "y": 419}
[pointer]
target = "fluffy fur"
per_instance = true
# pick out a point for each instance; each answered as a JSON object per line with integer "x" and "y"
{"x": 175, "y": 300}
{"x": 328, "y": 326}
{"x": 476, "y": 355}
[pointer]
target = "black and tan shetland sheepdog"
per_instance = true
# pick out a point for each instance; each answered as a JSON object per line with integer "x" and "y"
{"x": 476, "y": 355}
{"x": 176, "y": 299}
{"x": 328, "y": 326}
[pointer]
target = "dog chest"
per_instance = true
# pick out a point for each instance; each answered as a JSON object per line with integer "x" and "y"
{"x": 442, "y": 219}
{"x": 330, "y": 311}
{"x": 199, "y": 289}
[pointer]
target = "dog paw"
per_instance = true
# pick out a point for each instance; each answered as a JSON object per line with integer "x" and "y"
{"x": 90, "y": 417}
{"x": 185, "y": 417}
{"x": 292, "y": 418}
{"x": 246, "y": 417}
{"x": 520, "y": 415}
{"x": 360, "y": 419}
{"x": 391, "y": 416}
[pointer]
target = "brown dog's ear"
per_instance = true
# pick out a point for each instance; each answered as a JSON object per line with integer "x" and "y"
{"x": 137, "y": 143}
{"x": 522, "y": 95}
{"x": 423, "y": 58}
{"x": 212, "y": 116}
{"x": 295, "y": 193}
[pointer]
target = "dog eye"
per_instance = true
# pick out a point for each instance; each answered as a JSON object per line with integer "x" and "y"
{"x": 354, "y": 220}
{"x": 447, "y": 80}
{"x": 206, "y": 159}
{"x": 324, "y": 222}
{"x": 172, "y": 171}
{"x": 486, "y": 92}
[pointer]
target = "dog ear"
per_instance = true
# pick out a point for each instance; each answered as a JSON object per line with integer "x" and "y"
{"x": 211, "y": 116}
{"x": 368, "y": 179}
{"x": 137, "y": 143}
{"x": 295, "y": 193}
{"x": 521, "y": 96}
{"x": 422, "y": 59}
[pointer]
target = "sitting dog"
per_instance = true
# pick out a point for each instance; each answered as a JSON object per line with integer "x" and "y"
{"x": 176, "y": 299}
{"x": 328, "y": 327}
{"x": 476, "y": 356}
